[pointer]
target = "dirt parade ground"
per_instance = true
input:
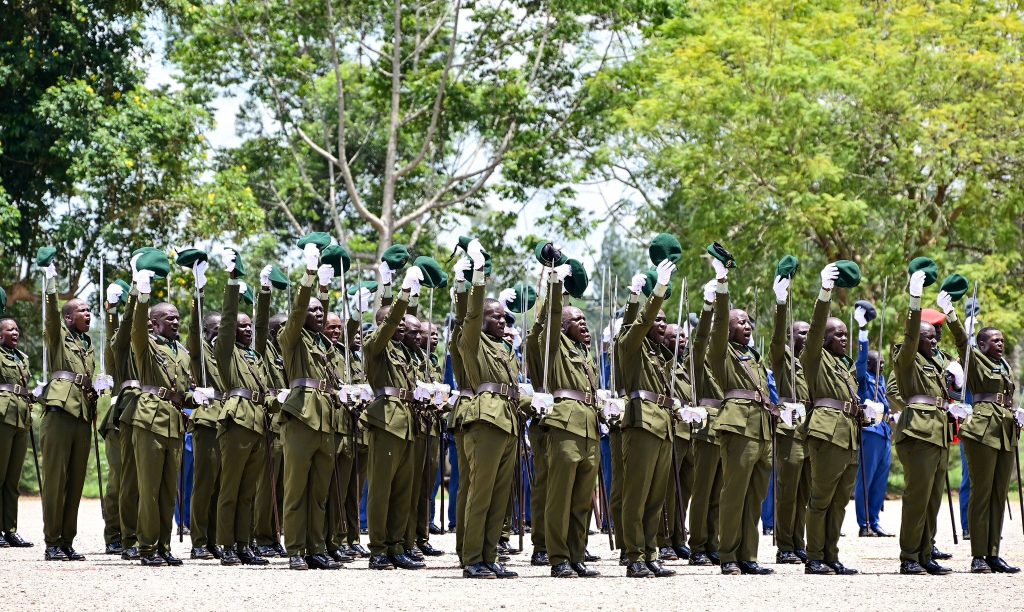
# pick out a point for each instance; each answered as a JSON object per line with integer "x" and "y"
{"x": 108, "y": 583}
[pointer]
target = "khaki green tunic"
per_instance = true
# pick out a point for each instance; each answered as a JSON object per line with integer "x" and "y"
{"x": 707, "y": 457}
{"x": 15, "y": 420}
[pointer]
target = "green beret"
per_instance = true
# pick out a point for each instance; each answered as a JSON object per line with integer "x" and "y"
{"x": 278, "y": 279}
{"x": 548, "y": 255}
{"x": 433, "y": 276}
{"x": 444, "y": 279}
{"x": 956, "y": 286}
{"x": 3, "y": 301}
{"x": 248, "y": 296}
{"x": 154, "y": 260}
{"x": 722, "y": 254}
{"x": 321, "y": 239}
{"x": 928, "y": 266}
{"x": 45, "y": 256}
{"x": 652, "y": 281}
{"x": 188, "y": 257}
{"x": 335, "y": 255}
{"x": 849, "y": 274}
{"x": 396, "y": 256}
{"x": 144, "y": 250}
{"x": 526, "y": 297}
{"x": 665, "y": 246}
{"x": 371, "y": 285}
{"x": 126, "y": 289}
{"x": 788, "y": 266}
{"x": 577, "y": 281}
{"x": 239, "y": 266}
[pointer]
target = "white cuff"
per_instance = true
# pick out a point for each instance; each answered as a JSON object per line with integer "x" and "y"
{"x": 660, "y": 290}
{"x": 862, "y": 335}
{"x": 723, "y": 287}
{"x": 825, "y": 295}
{"x": 915, "y": 303}
{"x": 479, "y": 278}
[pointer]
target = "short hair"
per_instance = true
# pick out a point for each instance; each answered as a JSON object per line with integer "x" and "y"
{"x": 332, "y": 314}
{"x": 158, "y": 308}
{"x": 382, "y": 313}
{"x": 209, "y": 317}
{"x": 5, "y": 318}
{"x": 70, "y": 306}
{"x": 278, "y": 319}
{"x": 985, "y": 332}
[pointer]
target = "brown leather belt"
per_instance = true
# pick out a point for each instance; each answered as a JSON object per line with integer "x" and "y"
{"x": 398, "y": 393}
{"x": 745, "y": 394}
{"x": 508, "y": 391}
{"x": 710, "y": 402}
{"x": 253, "y": 396}
{"x": 81, "y": 380}
{"x": 929, "y": 400}
{"x": 17, "y": 390}
{"x": 130, "y": 384}
{"x": 164, "y": 393}
{"x": 217, "y": 395}
{"x": 579, "y": 396}
{"x": 850, "y": 408}
{"x": 1000, "y": 399}
{"x": 317, "y": 384}
{"x": 650, "y": 396}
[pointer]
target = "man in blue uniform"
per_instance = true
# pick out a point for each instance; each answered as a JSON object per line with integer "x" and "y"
{"x": 877, "y": 439}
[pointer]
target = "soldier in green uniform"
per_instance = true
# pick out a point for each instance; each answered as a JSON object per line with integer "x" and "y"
{"x": 831, "y": 430}
{"x": 465, "y": 395}
{"x": 433, "y": 423}
{"x": 921, "y": 438}
{"x": 573, "y": 437}
{"x": 15, "y": 421}
{"x": 241, "y": 435}
{"x": 490, "y": 422}
{"x": 615, "y": 422}
{"x": 743, "y": 430}
{"x": 69, "y": 405}
{"x": 270, "y": 489}
{"x": 672, "y": 541}
{"x": 538, "y": 435}
{"x": 357, "y": 403}
{"x": 646, "y": 433}
{"x": 110, "y": 426}
{"x": 121, "y": 362}
{"x": 793, "y": 468}
{"x": 419, "y": 405}
{"x": 307, "y": 420}
{"x": 391, "y": 425}
{"x": 158, "y": 423}
{"x": 989, "y": 437}
{"x": 336, "y": 524}
{"x": 707, "y": 456}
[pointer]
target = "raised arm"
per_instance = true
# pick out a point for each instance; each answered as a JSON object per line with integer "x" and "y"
{"x": 377, "y": 341}
{"x": 224, "y": 345}
{"x": 291, "y": 333}
{"x": 719, "y": 332}
{"x": 261, "y": 326}
{"x": 810, "y": 357}
{"x": 195, "y": 330}
{"x": 140, "y": 331}
{"x": 635, "y": 334}
{"x": 777, "y": 348}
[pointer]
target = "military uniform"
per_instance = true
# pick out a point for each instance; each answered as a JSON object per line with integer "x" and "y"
{"x": 538, "y": 438}
{"x": 203, "y": 425}
{"x": 360, "y": 452}
{"x": 344, "y": 461}
{"x": 270, "y": 488}
{"x": 15, "y": 421}
{"x": 744, "y": 434}
{"x": 673, "y": 536}
{"x": 455, "y": 417}
{"x": 430, "y": 439}
{"x": 792, "y": 464}
{"x": 615, "y": 430}
{"x": 121, "y": 362}
{"x": 69, "y": 405}
{"x": 832, "y": 433}
{"x": 110, "y": 431}
{"x": 707, "y": 457}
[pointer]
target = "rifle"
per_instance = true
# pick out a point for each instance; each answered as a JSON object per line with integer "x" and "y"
{"x": 35, "y": 459}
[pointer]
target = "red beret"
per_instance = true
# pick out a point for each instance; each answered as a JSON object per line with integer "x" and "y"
{"x": 930, "y": 315}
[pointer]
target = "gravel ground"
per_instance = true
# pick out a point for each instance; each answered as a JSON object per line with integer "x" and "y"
{"x": 104, "y": 582}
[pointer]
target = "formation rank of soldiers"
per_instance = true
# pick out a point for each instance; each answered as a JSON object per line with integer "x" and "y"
{"x": 291, "y": 413}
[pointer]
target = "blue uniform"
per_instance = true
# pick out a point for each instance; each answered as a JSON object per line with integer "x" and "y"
{"x": 876, "y": 451}
{"x": 188, "y": 467}
{"x": 768, "y": 505}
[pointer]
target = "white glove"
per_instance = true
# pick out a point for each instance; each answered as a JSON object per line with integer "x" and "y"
{"x": 960, "y": 410}
{"x": 202, "y": 395}
{"x": 38, "y": 391}
{"x": 365, "y": 392}
{"x": 282, "y": 395}
{"x": 873, "y": 410}
{"x": 917, "y": 283}
{"x": 613, "y": 407}
{"x": 133, "y": 262}
{"x": 507, "y": 296}
{"x": 143, "y": 280}
{"x": 311, "y": 255}
{"x": 563, "y": 271}
{"x": 360, "y": 302}
{"x": 544, "y": 273}
{"x": 50, "y": 272}
{"x": 441, "y": 393}
{"x": 476, "y": 253}
{"x": 859, "y": 316}
{"x": 453, "y": 398}
{"x": 957, "y": 370}
{"x": 265, "y": 277}
{"x": 423, "y": 391}
{"x": 242, "y": 288}
{"x": 103, "y": 382}
{"x": 709, "y": 290}
{"x": 386, "y": 274}
{"x": 945, "y": 302}
{"x": 199, "y": 272}
{"x": 1018, "y": 415}
{"x": 325, "y": 274}
{"x": 665, "y": 270}
{"x": 781, "y": 289}
{"x": 721, "y": 272}
{"x": 462, "y": 266}
{"x": 517, "y": 340}
{"x": 343, "y": 394}
{"x": 972, "y": 325}
{"x": 114, "y": 293}
{"x": 228, "y": 258}
{"x": 636, "y": 284}
{"x": 526, "y": 390}
{"x": 791, "y": 411}
{"x": 412, "y": 280}
{"x": 542, "y": 403}
{"x": 693, "y": 414}
{"x": 829, "y": 274}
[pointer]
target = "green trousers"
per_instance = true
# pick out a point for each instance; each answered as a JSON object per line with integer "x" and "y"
{"x": 792, "y": 492}
{"x": 572, "y": 463}
{"x": 490, "y": 453}
{"x": 673, "y": 531}
{"x": 647, "y": 461}
{"x": 242, "y": 460}
{"x": 128, "y": 494}
{"x": 746, "y": 468}
{"x": 419, "y": 459}
{"x": 308, "y": 462}
{"x": 13, "y": 446}
{"x": 538, "y": 490}
{"x": 425, "y": 498}
{"x": 615, "y": 495}
{"x": 158, "y": 460}
{"x": 337, "y": 498}
{"x": 65, "y": 443}
{"x": 205, "y": 485}
{"x": 111, "y": 512}
{"x": 269, "y": 490}
{"x": 705, "y": 496}
{"x": 355, "y": 493}
{"x": 465, "y": 477}
{"x": 990, "y": 470}
{"x": 389, "y": 499}
{"x": 833, "y": 476}
{"x": 924, "y": 469}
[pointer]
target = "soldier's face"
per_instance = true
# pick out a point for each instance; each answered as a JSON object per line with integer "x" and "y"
{"x": 9, "y": 334}
{"x": 993, "y": 345}
{"x": 355, "y": 341}
{"x": 243, "y": 334}
{"x": 574, "y": 324}
{"x": 211, "y": 328}
{"x": 657, "y": 331}
{"x": 927, "y": 344}
{"x": 332, "y": 327}
{"x": 740, "y": 327}
{"x": 800, "y": 329}
{"x": 836, "y": 337}
{"x": 412, "y": 332}
{"x": 494, "y": 319}
{"x": 314, "y": 316}
{"x": 435, "y": 336}
{"x": 165, "y": 321}
{"x": 672, "y": 332}
{"x": 79, "y": 317}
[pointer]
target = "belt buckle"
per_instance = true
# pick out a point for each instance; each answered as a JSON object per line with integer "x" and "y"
{"x": 588, "y": 399}
{"x": 161, "y": 393}
{"x": 939, "y": 402}
{"x": 661, "y": 400}
{"x": 757, "y": 397}
{"x": 19, "y": 390}
{"x": 999, "y": 398}
{"x": 503, "y": 389}
{"x": 258, "y": 397}
{"x": 322, "y": 385}
{"x": 79, "y": 379}
{"x": 403, "y": 394}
